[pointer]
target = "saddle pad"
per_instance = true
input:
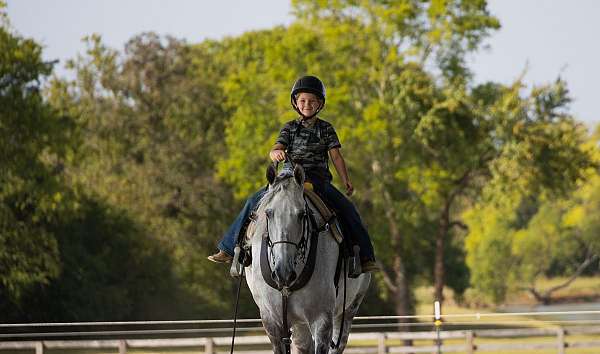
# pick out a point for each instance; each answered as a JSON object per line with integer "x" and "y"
{"x": 325, "y": 212}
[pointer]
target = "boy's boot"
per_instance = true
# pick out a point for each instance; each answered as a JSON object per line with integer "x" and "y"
{"x": 220, "y": 257}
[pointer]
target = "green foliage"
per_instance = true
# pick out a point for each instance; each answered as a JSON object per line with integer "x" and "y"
{"x": 152, "y": 122}
{"x": 171, "y": 137}
{"x": 109, "y": 271}
{"x": 432, "y": 146}
{"x": 529, "y": 221}
{"x": 446, "y": 29}
{"x": 34, "y": 141}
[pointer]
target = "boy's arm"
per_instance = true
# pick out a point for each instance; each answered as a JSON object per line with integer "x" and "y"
{"x": 340, "y": 167}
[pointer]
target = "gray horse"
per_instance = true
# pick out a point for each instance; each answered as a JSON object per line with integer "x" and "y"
{"x": 315, "y": 311}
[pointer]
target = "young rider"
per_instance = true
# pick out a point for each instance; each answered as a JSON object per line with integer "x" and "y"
{"x": 309, "y": 141}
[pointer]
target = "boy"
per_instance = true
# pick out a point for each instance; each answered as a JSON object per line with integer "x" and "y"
{"x": 309, "y": 141}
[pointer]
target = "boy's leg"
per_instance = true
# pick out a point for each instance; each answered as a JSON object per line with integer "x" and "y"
{"x": 227, "y": 243}
{"x": 350, "y": 218}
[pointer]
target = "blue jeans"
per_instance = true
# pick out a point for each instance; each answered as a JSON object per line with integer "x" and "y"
{"x": 348, "y": 217}
{"x": 346, "y": 212}
{"x": 227, "y": 243}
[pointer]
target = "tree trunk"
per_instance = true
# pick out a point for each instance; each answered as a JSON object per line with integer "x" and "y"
{"x": 439, "y": 269}
{"x": 398, "y": 282}
{"x": 401, "y": 293}
{"x": 402, "y": 297}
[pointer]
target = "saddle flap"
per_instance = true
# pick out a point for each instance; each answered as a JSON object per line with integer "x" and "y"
{"x": 325, "y": 212}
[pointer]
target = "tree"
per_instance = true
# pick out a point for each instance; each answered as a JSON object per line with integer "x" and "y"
{"x": 35, "y": 140}
{"x": 109, "y": 271}
{"x": 173, "y": 135}
{"x": 366, "y": 54}
{"x": 152, "y": 122}
{"x": 528, "y": 233}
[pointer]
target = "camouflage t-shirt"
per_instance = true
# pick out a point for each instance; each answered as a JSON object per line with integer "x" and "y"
{"x": 309, "y": 146}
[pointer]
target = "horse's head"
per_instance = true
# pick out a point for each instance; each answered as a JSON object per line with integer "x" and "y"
{"x": 286, "y": 220}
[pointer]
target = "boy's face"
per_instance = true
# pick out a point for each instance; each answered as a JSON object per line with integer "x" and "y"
{"x": 308, "y": 103}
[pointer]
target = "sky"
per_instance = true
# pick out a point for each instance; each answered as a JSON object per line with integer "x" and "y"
{"x": 543, "y": 39}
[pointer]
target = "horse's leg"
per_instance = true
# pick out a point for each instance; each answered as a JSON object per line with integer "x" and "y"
{"x": 274, "y": 334}
{"x": 302, "y": 339}
{"x": 322, "y": 329}
{"x": 347, "y": 319}
{"x": 358, "y": 290}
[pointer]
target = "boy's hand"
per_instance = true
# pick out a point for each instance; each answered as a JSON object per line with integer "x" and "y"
{"x": 349, "y": 188}
{"x": 277, "y": 155}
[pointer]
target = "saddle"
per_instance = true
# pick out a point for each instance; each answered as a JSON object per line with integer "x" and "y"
{"x": 243, "y": 258}
{"x": 327, "y": 214}
{"x": 347, "y": 253}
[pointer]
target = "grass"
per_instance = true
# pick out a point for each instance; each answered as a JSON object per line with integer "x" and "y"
{"x": 524, "y": 341}
{"x": 583, "y": 289}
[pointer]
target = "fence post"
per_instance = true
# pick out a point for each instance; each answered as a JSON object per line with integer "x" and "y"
{"x": 122, "y": 346}
{"x": 560, "y": 336}
{"x": 470, "y": 342}
{"x": 39, "y": 347}
{"x": 381, "y": 346}
{"x": 209, "y": 346}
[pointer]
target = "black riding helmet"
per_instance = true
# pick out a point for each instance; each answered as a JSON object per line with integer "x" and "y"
{"x": 310, "y": 84}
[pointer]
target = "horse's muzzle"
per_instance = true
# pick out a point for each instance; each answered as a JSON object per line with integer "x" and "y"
{"x": 283, "y": 277}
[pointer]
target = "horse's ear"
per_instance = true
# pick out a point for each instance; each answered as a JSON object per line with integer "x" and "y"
{"x": 299, "y": 174}
{"x": 271, "y": 173}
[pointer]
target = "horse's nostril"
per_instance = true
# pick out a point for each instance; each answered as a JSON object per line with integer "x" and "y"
{"x": 274, "y": 275}
{"x": 293, "y": 276}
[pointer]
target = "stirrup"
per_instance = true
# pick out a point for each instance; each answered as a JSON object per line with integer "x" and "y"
{"x": 354, "y": 268}
{"x": 236, "y": 268}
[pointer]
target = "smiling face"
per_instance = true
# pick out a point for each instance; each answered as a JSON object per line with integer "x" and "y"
{"x": 308, "y": 104}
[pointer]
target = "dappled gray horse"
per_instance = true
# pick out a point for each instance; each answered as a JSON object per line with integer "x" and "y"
{"x": 315, "y": 311}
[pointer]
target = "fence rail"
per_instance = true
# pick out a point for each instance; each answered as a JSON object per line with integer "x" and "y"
{"x": 444, "y": 317}
{"x": 385, "y": 342}
{"x": 211, "y": 336}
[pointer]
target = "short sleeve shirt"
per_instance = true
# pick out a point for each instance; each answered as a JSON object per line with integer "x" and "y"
{"x": 309, "y": 147}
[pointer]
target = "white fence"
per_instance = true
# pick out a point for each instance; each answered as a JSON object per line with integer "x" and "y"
{"x": 554, "y": 336}
{"x": 380, "y": 343}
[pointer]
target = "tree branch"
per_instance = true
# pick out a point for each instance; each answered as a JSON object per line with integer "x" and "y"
{"x": 386, "y": 278}
{"x": 544, "y": 297}
{"x": 571, "y": 279}
{"x": 459, "y": 224}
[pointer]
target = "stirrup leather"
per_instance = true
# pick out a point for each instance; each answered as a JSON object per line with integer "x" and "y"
{"x": 354, "y": 269}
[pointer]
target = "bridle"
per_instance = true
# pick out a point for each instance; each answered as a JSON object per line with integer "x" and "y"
{"x": 311, "y": 231}
{"x": 300, "y": 245}
{"x": 304, "y": 251}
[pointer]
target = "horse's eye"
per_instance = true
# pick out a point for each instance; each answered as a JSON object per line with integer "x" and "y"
{"x": 301, "y": 214}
